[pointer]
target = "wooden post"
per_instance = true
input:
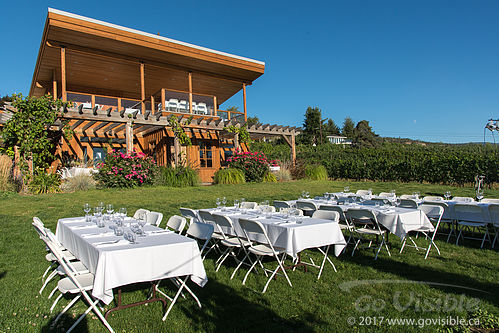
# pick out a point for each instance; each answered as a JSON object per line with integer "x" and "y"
{"x": 63, "y": 74}
{"x": 54, "y": 84}
{"x": 293, "y": 149}
{"x": 119, "y": 104}
{"x": 152, "y": 104}
{"x": 142, "y": 88}
{"x": 129, "y": 136}
{"x": 190, "y": 92}
{"x": 236, "y": 141}
{"x": 176, "y": 149}
{"x": 93, "y": 101}
{"x": 215, "y": 111}
{"x": 163, "y": 99}
{"x": 244, "y": 102}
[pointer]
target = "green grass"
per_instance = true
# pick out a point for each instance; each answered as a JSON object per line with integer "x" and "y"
{"x": 310, "y": 305}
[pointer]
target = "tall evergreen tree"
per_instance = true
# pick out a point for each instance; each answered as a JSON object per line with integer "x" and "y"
{"x": 364, "y": 135}
{"x": 348, "y": 128}
{"x": 330, "y": 128}
{"x": 312, "y": 126}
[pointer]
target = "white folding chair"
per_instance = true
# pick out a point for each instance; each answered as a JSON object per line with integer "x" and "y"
{"x": 432, "y": 198}
{"x": 494, "y": 218}
{"x": 249, "y": 205}
{"x": 406, "y": 196}
{"x": 408, "y": 203}
{"x": 446, "y": 219}
{"x": 183, "y": 106}
{"x": 463, "y": 199}
{"x": 230, "y": 243}
{"x": 139, "y": 212}
{"x": 385, "y": 195}
{"x": 362, "y": 192}
{"x": 470, "y": 217}
{"x": 190, "y": 215}
{"x": 261, "y": 249}
{"x": 434, "y": 214}
{"x": 78, "y": 285}
{"x": 176, "y": 223}
{"x": 490, "y": 200}
{"x": 154, "y": 218}
{"x": 307, "y": 207}
{"x": 334, "y": 216}
{"x": 364, "y": 223}
{"x": 267, "y": 209}
{"x": 281, "y": 204}
{"x": 207, "y": 217}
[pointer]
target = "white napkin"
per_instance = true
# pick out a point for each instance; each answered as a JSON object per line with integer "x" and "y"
{"x": 158, "y": 232}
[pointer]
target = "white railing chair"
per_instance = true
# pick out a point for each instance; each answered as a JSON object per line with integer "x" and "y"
{"x": 154, "y": 218}
{"x": 307, "y": 207}
{"x": 365, "y": 223}
{"x": 262, "y": 249}
{"x": 172, "y": 104}
{"x": 78, "y": 285}
{"x": 434, "y": 214}
{"x": 471, "y": 217}
{"x": 176, "y": 223}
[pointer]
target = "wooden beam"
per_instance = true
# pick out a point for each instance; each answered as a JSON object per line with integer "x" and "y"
{"x": 93, "y": 101}
{"x": 98, "y": 127}
{"x": 163, "y": 99}
{"x": 54, "y": 84}
{"x": 190, "y": 92}
{"x": 176, "y": 148}
{"x": 152, "y": 104}
{"x": 87, "y": 126}
{"x": 129, "y": 136}
{"x": 119, "y": 104}
{"x": 109, "y": 127}
{"x": 214, "y": 113}
{"x": 76, "y": 124}
{"x": 293, "y": 149}
{"x": 142, "y": 87}
{"x": 244, "y": 102}
{"x": 120, "y": 128}
{"x": 63, "y": 74}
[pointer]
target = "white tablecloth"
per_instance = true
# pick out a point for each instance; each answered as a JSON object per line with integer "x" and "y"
{"x": 156, "y": 256}
{"x": 292, "y": 237}
{"x": 398, "y": 221}
{"x": 451, "y": 213}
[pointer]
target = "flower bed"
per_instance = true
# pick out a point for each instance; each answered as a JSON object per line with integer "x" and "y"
{"x": 254, "y": 165}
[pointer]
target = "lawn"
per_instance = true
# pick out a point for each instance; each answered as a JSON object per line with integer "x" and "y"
{"x": 310, "y": 305}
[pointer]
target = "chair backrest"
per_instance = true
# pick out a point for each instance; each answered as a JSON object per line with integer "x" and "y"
{"x": 154, "y": 218}
{"x": 267, "y": 209}
{"x": 385, "y": 195}
{"x": 463, "y": 199}
{"x": 372, "y": 202}
{"x": 433, "y": 212}
{"x": 406, "y": 196}
{"x": 190, "y": 214}
{"x": 433, "y": 198}
{"x": 408, "y": 203}
{"x": 201, "y": 231}
{"x": 494, "y": 213}
{"x": 292, "y": 211}
{"x": 326, "y": 215}
{"x": 225, "y": 222}
{"x": 334, "y": 208}
{"x": 281, "y": 204}
{"x": 362, "y": 192}
{"x": 176, "y": 223}
{"x": 255, "y": 227}
{"x": 139, "y": 212}
{"x": 361, "y": 217}
{"x": 468, "y": 213}
{"x": 39, "y": 226}
{"x": 206, "y": 216}
{"x": 306, "y": 205}
{"x": 490, "y": 200}
{"x": 249, "y": 205}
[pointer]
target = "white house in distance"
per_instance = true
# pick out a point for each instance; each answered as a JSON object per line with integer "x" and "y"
{"x": 339, "y": 140}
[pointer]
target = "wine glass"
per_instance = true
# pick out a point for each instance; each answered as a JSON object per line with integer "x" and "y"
{"x": 397, "y": 202}
{"x": 307, "y": 195}
{"x": 87, "y": 208}
{"x": 447, "y": 195}
{"x": 97, "y": 212}
{"x": 142, "y": 222}
{"x": 122, "y": 212}
{"x": 224, "y": 203}
{"x": 236, "y": 204}
{"x": 479, "y": 195}
{"x": 303, "y": 193}
{"x": 370, "y": 192}
{"x": 218, "y": 202}
{"x": 346, "y": 189}
{"x": 110, "y": 209}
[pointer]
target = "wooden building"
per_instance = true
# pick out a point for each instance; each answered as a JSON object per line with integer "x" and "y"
{"x": 126, "y": 85}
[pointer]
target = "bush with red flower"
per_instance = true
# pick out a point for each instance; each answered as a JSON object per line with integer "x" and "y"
{"x": 254, "y": 165}
{"x": 126, "y": 170}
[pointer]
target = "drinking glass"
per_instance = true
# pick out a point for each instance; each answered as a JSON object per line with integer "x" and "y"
{"x": 110, "y": 209}
{"x": 236, "y": 204}
{"x": 346, "y": 189}
{"x": 479, "y": 195}
{"x": 224, "y": 201}
{"x": 397, "y": 202}
{"x": 142, "y": 223}
{"x": 97, "y": 212}
{"x": 370, "y": 191}
{"x": 122, "y": 212}
{"x": 376, "y": 204}
{"x": 87, "y": 208}
{"x": 303, "y": 193}
{"x": 101, "y": 223}
{"x": 218, "y": 203}
{"x": 447, "y": 195}
{"x": 118, "y": 231}
{"x": 130, "y": 236}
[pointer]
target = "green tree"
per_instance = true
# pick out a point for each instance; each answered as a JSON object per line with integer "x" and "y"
{"x": 312, "y": 126}
{"x": 364, "y": 135}
{"x": 252, "y": 121}
{"x": 4, "y": 99}
{"x": 330, "y": 128}
{"x": 348, "y": 128}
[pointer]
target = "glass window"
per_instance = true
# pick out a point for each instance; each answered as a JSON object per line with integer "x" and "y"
{"x": 205, "y": 155}
{"x": 99, "y": 155}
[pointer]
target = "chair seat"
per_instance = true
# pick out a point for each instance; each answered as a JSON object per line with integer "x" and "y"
{"x": 234, "y": 242}
{"x": 77, "y": 265}
{"x": 472, "y": 224}
{"x": 86, "y": 281}
{"x": 66, "y": 253}
{"x": 217, "y": 236}
{"x": 368, "y": 231}
{"x": 343, "y": 226}
{"x": 264, "y": 250}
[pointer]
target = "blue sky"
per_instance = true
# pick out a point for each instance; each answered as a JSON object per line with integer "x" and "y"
{"x": 420, "y": 69}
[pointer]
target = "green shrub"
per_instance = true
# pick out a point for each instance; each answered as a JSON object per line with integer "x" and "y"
{"x": 177, "y": 177}
{"x": 282, "y": 175}
{"x": 229, "y": 176}
{"x": 80, "y": 182}
{"x": 45, "y": 183}
{"x": 126, "y": 170}
{"x": 316, "y": 172}
{"x": 254, "y": 165}
{"x": 270, "y": 178}
{"x": 6, "y": 173}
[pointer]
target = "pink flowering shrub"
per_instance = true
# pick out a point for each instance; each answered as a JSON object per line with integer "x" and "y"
{"x": 126, "y": 170}
{"x": 254, "y": 165}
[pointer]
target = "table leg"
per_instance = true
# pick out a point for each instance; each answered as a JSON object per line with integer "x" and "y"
{"x": 120, "y": 305}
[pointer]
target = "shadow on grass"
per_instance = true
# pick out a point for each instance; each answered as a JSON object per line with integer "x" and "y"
{"x": 64, "y": 323}
{"x": 429, "y": 274}
{"x": 225, "y": 309}
{"x": 3, "y": 274}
